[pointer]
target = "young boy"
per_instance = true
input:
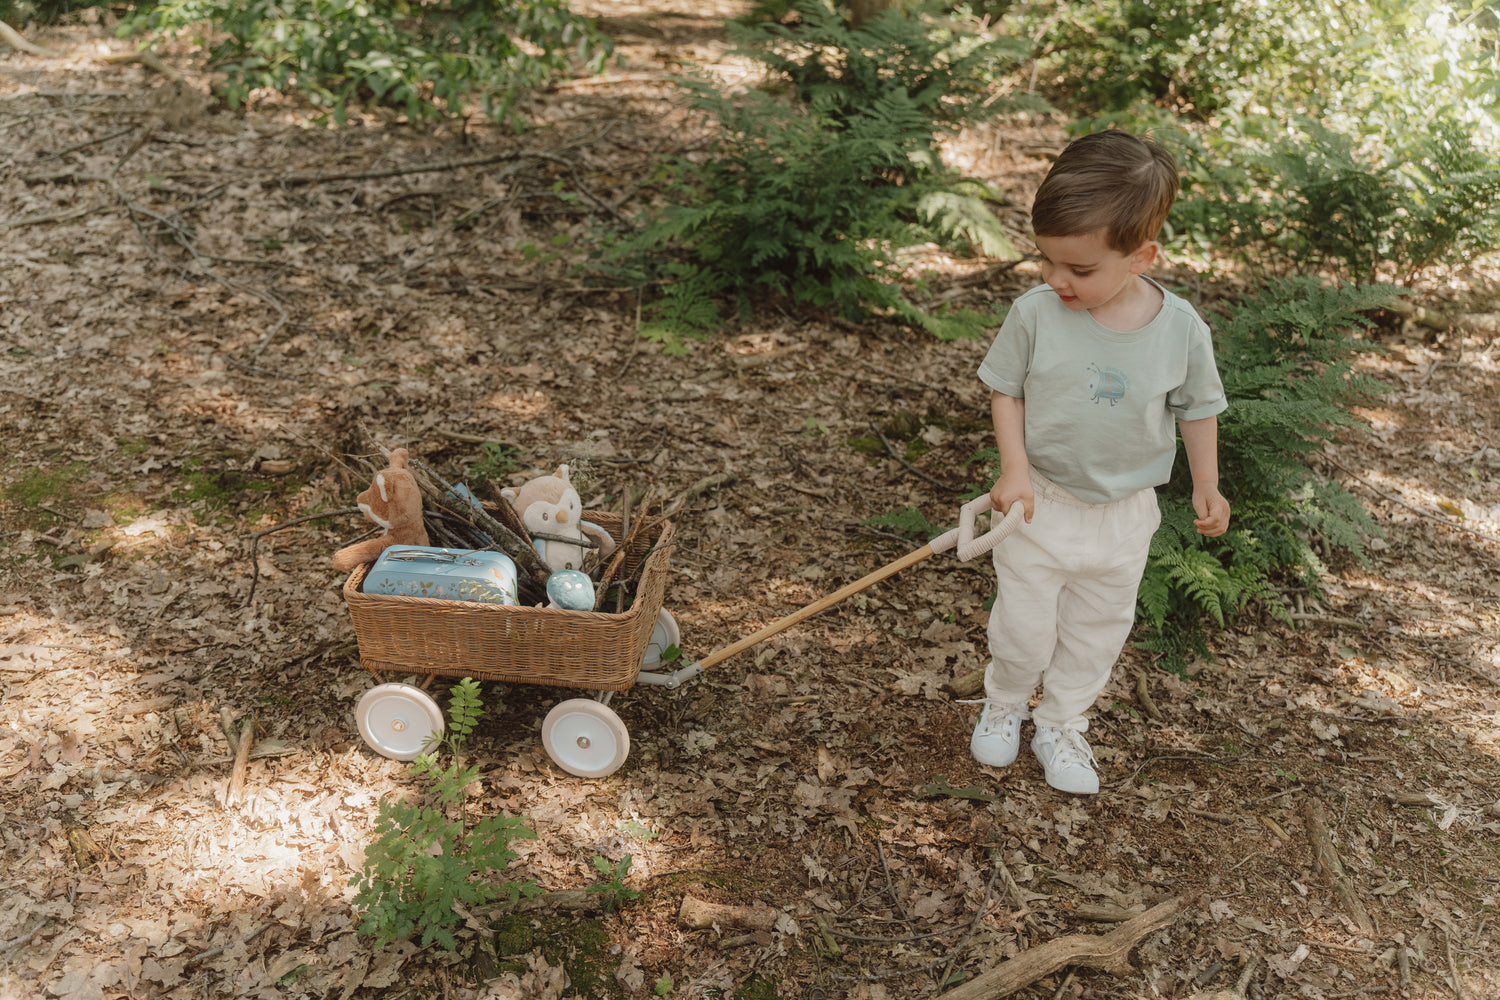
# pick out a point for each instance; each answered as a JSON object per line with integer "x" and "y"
{"x": 1088, "y": 374}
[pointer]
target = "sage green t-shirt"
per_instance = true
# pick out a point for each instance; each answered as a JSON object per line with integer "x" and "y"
{"x": 1101, "y": 404}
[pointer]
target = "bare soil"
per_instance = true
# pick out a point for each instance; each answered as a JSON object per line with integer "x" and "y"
{"x": 209, "y": 319}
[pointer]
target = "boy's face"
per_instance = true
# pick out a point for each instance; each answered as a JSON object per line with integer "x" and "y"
{"x": 1086, "y": 274}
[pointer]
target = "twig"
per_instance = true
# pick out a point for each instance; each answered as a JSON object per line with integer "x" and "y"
{"x": 135, "y": 147}
{"x": 10, "y": 36}
{"x": 1325, "y": 619}
{"x": 1333, "y": 869}
{"x": 85, "y": 144}
{"x": 7, "y": 947}
{"x": 623, "y": 549}
{"x": 1107, "y": 952}
{"x": 231, "y": 733}
{"x": 36, "y": 220}
{"x": 1143, "y": 695}
{"x": 295, "y": 180}
{"x": 984, "y": 904}
{"x": 891, "y": 450}
{"x": 701, "y": 486}
{"x": 1224, "y": 818}
{"x": 523, "y": 553}
{"x": 144, "y": 57}
{"x": 1446, "y": 522}
{"x": 1458, "y": 983}
{"x": 1244, "y": 981}
{"x": 241, "y": 761}
{"x": 255, "y": 543}
{"x": 890, "y": 884}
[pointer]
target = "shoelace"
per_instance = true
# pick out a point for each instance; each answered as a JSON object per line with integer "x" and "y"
{"x": 1071, "y": 748}
{"x": 996, "y": 715}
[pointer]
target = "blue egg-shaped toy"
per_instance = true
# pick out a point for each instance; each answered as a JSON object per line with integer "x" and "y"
{"x": 571, "y": 589}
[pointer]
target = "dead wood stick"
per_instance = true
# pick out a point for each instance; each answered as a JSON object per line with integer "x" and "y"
{"x": 701, "y": 486}
{"x": 1105, "y": 913}
{"x": 759, "y": 938}
{"x": 503, "y": 511}
{"x": 622, "y": 550}
{"x": 1445, "y": 521}
{"x": 522, "y": 552}
{"x": 317, "y": 177}
{"x": 241, "y": 761}
{"x": 255, "y": 543}
{"x": 10, "y": 36}
{"x": 700, "y": 914}
{"x": 890, "y": 450}
{"x": 204, "y": 956}
{"x": 1106, "y": 952}
{"x": 146, "y": 58}
{"x": 1143, "y": 695}
{"x": 1331, "y": 867}
{"x": 71, "y": 213}
{"x": 231, "y": 734}
{"x": 1408, "y": 798}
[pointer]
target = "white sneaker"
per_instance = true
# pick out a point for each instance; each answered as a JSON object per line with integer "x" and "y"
{"x": 1066, "y": 759}
{"x": 997, "y": 734}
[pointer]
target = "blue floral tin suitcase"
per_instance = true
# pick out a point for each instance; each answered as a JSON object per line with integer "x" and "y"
{"x": 443, "y": 574}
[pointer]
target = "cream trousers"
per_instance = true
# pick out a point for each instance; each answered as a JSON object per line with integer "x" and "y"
{"x": 1066, "y": 600}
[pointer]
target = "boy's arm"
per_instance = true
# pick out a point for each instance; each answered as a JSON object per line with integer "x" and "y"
{"x": 1200, "y": 438}
{"x": 1009, "y": 415}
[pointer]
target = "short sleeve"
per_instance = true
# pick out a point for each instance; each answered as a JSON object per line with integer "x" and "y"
{"x": 1008, "y": 360}
{"x": 1201, "y": 394}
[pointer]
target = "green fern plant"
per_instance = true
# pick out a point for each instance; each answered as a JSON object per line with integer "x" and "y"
{"x": 1303, "y": 194}
{"x": 431, "y": 60}
{"x": 1286, "y": 356}
{"x": 811, "y": 191}
{"x": 908, "y": 522}
{"x": 428, "y": 857}
{"x": 613, "y": 892}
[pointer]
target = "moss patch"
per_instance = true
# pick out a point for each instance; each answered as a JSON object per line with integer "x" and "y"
{"x": 579, "y": 946}
{"x": 757, "y": 987}
{"x": 44, "y": 486}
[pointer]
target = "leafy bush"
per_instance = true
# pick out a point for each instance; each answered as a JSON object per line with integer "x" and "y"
{"x": 422, "y": 861}
{"x": 1300, "y": 195}
{"x": 433, "y": 59}
{"x": 18, "y": 13}
{"x": 809, "y": 195}
{"x": 1377, "y": 60}
{"x": 1286, "y": 359}
{"x": 1355, "y": 139}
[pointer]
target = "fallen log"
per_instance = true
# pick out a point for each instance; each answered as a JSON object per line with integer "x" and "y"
{"x": 1106, "y": 952}
{"x": 700, "y": 914}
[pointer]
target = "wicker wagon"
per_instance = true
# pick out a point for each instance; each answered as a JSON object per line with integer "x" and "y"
{"x": 596, "y": 650}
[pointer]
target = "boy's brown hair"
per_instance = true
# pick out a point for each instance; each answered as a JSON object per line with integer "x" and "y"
{"x": 1111, "y": 181}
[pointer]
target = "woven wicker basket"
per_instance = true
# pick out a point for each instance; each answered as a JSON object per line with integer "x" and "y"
{"x": 496, "y": 642}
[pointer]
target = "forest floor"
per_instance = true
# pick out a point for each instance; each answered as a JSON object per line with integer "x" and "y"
{"x": 209, "y": 320}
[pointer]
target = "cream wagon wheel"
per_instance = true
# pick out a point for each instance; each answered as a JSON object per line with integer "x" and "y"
{"x": 398, "y": 720}
{"x": 586, "y": 738}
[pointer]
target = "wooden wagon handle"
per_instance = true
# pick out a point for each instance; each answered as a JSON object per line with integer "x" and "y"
{"x": 962, "y": 538}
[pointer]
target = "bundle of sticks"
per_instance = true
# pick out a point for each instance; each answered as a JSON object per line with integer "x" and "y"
{"x": 456, "y": 519}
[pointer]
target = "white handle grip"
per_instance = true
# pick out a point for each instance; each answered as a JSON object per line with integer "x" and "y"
{"x": 962, "y": 536}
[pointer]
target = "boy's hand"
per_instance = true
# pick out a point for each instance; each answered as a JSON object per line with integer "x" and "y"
{"x": 1009, "y": 489}
{"x": 1213, "y": 511}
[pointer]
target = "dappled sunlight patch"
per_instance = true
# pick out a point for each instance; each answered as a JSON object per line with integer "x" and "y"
{"x": 526, "y": 405}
